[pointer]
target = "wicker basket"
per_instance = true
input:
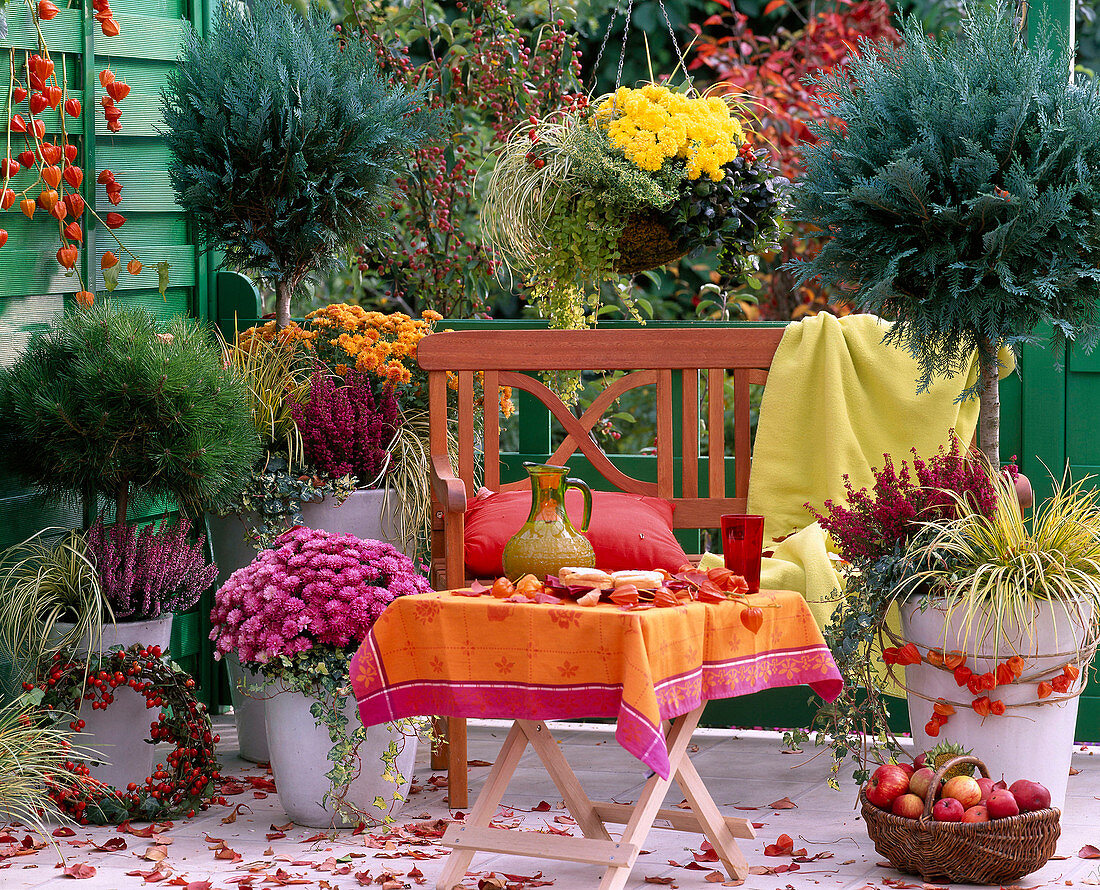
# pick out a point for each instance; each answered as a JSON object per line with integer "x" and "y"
{"x": 995, "y": 852}
{"x": 646, "y": 243}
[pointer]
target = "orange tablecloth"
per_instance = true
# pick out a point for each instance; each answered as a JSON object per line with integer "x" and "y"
{"x": 460, "y": 656}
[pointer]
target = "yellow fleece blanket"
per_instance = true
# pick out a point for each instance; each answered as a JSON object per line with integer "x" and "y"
{"x": 837, "y": 400}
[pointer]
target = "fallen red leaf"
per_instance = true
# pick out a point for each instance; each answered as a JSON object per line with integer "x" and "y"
{"x": 784, "y": 803}
{"x": 1088, "y": 852}
{"x": 111, "y": 845}
{"x": 541, "y": 807}
{"x": 63, "y": 831}
{"x": 783, "y": 846}
{"x": 79, "y": 870}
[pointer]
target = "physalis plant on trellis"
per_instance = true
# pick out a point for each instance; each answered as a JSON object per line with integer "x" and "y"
{"x": 42, "y": 85}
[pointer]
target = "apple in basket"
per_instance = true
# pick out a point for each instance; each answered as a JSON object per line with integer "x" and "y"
{"x": 889, "y": 782}
{"x": 986, "y": 784}
{"x": 948, "y": 809}
{"x": 908, "y": 805}
{"x": 1002, "y": 804}
{"x": 976, "y": 814}
{"x": 964, "y": 789}
{"x": 1030, "y": 796}
{"x": 921, "y": 781}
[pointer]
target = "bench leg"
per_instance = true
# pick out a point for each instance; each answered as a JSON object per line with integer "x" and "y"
{"x": 458, "y": 779}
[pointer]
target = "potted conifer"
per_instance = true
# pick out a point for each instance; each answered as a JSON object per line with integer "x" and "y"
{"x": 284, "y": 140}
{"x": 957, "y": 185}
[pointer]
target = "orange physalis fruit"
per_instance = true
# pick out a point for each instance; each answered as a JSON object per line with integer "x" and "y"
{"x": 753, "y": 618}
{"x": 626, "y": 595}
{"x": 1016, "y": 665}
{"x": 1045, "y": 689}
{"x": 988, "y": 681}
{"x": 1004, "y": 674}
{"x": 943, "y": 708}
{"x": 109, "y": 28}
{"x": 528, "y": 585}
{"x": 118, "y": 90}
{"x": 67, "y": 256}
{"x": 108, "y": 260}
{"x": 997, "y": 707}
{"x": 46, "y": 10}
{"x": 134, "y": 267}
{"x": 114, "y": 220}
{"x": 981, "y": 706}
{"x": 27, "y": 206}
{"x": 962, "y": 674}
{"x": 106, "y": 76}
{"x": 52, "y": 176}
{"x": 665, "y": 598}
{"x": 934, "y": 657}
{"x": 932, "y": 728}
{"x": 953, "y": 660}
{"x": 1061, "y": 684}
{"x": 909, "y": 654}
{"x": 502, "y": 588}
{"x": 1072, "y": 671}
{"x": 73, "y": 232}
{"x": 85, "y": 298}
{"x": 890, "y": 654}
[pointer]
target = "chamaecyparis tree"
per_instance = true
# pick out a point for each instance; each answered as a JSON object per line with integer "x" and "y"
{"x": 284, "y": 140}
{"x": 960, "y": 190}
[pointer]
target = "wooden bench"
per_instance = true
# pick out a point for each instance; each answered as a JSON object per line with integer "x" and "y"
{"x": 691, "y": 362}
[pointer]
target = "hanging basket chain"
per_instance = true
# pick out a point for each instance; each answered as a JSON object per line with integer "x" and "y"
{"x": 626, "y": 33}
{"x": 606, "y": 37}
{"x": 675, "y": 46}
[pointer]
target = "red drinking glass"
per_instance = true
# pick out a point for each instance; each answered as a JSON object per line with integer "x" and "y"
{"x": 742, "y": 543}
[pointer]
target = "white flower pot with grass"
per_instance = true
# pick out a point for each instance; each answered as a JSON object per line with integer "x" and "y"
{"x": 1007, "y": 639}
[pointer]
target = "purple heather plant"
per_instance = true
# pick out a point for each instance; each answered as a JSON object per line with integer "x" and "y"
{"x": 874, "y": 523}
{"x": 345, "y": 429}
{"x": 314, "y": 588}
{"x": 145, "y": 572}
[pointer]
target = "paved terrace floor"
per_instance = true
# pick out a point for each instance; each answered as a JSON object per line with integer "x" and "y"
{"x": 746, "y": 772}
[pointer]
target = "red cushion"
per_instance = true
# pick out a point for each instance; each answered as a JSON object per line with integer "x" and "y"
{"x": 628, "y": 531}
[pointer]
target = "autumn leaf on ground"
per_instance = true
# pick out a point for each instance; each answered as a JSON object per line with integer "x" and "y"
{"x": 154, "y": 874}
{"x": 232, "y": 817}
{"x": 79, "y": 870}
{"x": 660, "y": 879}
{"x": 714, "y": 877}
{"x": 773, "y": 870}
{"x": 1088, "y": 852}
{"x": 541, "y": 807}
{"x": 111, "y": 845}
{"x": 708, "y": 854}
{"x": 63, "y": 831}
{"x": 492, "y": 882}
{"x": 824, "y": 854}
{"x": 155, "y": 853}
{"x": 478, "y": 763}
{"x": 783, "y": 846}
{"x": 784, "y": 803}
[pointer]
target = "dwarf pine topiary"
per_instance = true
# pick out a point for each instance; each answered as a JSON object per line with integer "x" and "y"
{"x": 958, "y": 185}
{"x": 111, "y": 401}
{"x": 284, "y": 140}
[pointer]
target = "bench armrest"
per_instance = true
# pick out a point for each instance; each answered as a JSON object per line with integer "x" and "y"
{"x": 449, "y": 490}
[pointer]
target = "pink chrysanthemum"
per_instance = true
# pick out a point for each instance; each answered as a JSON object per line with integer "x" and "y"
{"x": 313, "y": 588}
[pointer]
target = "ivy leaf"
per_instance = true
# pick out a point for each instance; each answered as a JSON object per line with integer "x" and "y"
{"x": 162, "y": 276}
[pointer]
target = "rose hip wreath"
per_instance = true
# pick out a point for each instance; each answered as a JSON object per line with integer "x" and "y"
{"x": 178, "y": 787}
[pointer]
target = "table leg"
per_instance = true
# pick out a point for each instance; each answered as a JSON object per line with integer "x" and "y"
{"x": 653, "y": 795}
{"x": 576, "y": 800}
{"x": 454, "y": 870}
{"x": 711, "y": 821}
{"x": 458, "y": 773}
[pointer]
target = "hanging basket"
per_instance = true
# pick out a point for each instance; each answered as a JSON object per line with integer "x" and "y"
{"x": 647, "y": 243}
{"x": 995, "y": 852}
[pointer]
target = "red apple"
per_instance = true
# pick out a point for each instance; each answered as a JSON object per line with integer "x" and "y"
{"x": 908, "y": 805}
{"x": 1030, "y": 796}
{"x": 909, "y": 769}
{"x": 948, "y": 809}
{"x": 987, "y": 788}
{"x": 888, "y": 782}
{"x": 976, "y": 814}
{"x": 921, "y": 781}
{"x": 1001, "y": 804}
{"x": 920, "y": 761}
{"x": 964, "y": 789}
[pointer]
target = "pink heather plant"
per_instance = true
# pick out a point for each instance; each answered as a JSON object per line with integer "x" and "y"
{"x": 346, "y": 429}
{"x": 313, "y": 589}
{"x": 874, "y": 523}
{"x": 143, "y": 573}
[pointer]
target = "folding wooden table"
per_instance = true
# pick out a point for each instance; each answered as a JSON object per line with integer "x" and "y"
{"x": 469, "y": 656}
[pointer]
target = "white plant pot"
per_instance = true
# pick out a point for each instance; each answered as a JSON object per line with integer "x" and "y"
{"x": 249, "y": 707}
{"x": 121, "y": 733}
{"x": 371, "y": 513}
{"x": 299, "y": 747}
{"x": 1033, "y": 742}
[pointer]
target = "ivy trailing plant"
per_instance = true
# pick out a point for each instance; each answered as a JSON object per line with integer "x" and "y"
{"x": 958, "y": 183}
{"x": 878, "y": 534}
{"x": 284, "y": 140}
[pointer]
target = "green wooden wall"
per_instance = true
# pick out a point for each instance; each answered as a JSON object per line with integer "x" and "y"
{"x": 33, "y": 288}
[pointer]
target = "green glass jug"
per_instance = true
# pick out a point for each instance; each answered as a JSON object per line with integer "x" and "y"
{"x": 548, "y": 541}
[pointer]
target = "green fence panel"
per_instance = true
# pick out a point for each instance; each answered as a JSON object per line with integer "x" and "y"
{"x": 33, "y": 288}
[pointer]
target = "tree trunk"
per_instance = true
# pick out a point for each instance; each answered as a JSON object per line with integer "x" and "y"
{"x": 282, "y": 303}
{"x": 989, "y": 414}
{"x": 122, "y": 502}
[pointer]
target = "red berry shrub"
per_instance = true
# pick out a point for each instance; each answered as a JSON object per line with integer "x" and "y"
{"x": 486, "y": 70}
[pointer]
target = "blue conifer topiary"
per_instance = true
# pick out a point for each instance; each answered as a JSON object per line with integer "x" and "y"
{"x": 284, "y": 140}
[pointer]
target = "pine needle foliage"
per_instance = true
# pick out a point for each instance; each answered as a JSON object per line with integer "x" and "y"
{"x": 284, "y": 140}
{"x": 960, "y": 190}
{"x": 111, "y": 401}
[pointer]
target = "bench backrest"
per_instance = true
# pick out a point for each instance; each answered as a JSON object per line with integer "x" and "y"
{"x": 651, "y": 356}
